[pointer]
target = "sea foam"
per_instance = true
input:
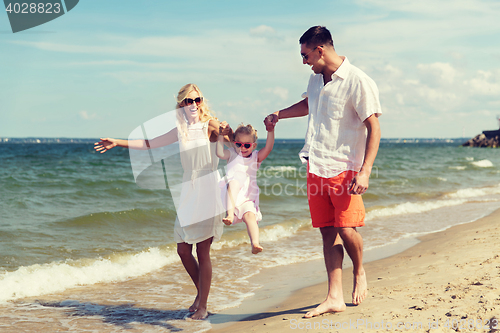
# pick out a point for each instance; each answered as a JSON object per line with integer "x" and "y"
{"x": 43, "y": 279}
{"x": 482, "y": 164}
{"x": 412, "y": 208}
{"x": 467, "y": 193}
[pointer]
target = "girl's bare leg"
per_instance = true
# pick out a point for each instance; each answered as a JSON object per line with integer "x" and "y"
{"x": 233, "y": 188}
{"x": 185, "y": 252}
{"x": 253, "y": 231}
{"x": 205, "y": 278}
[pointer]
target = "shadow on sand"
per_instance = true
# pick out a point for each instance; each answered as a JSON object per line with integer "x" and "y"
{"x": 121, "y": 315}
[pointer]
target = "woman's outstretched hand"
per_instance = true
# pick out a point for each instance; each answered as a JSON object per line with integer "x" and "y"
{"x": 105, "y": 144}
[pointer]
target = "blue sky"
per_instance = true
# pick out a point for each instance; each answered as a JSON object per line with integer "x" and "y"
{"x": 108, "y": 66}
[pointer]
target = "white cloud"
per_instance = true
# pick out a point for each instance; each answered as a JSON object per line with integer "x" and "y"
{"x": 262, "y": 31}
{"x": 86, "y": 116}
{"x": 485, "y": 83}
{"x": 438, "y": 73}
{"x": 126, "y": 63}
{"x": 278, "y": 91}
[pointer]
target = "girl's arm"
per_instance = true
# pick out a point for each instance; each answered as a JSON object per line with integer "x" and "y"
{"x": 163, "y": 140}
{"x": 222, "y": 153}
{"x": 264, "y": 152}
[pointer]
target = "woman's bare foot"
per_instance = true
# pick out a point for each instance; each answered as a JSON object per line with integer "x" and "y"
{"x": 200, "y": 314}
{"x": 195, "y": 305}
{"x": 256, "y": 248}
{"x": 360, "y": 288}
{"x": 329, "y": 305}
{"x": 228, "y": 220}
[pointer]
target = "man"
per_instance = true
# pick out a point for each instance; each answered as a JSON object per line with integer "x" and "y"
{"x": 341, "y": 144}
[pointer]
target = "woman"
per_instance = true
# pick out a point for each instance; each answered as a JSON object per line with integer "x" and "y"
{"x": 199, "y": 211}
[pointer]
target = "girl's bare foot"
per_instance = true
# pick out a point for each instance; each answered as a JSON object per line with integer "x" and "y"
{"x": 200, "y": 314}
{"x": 195, "y": 305}
{"x": 256, "y": 248}
{"x": 228, "y": 220}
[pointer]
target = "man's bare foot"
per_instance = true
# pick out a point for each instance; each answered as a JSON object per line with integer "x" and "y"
{"x": 256, "y": 248}
{"x": 200, "y": 314}
{"x": 360, "y": 288}
{"x": 228, "y": 220}
{"x": 329, "y": 305}
{"x": 195, "y": 305}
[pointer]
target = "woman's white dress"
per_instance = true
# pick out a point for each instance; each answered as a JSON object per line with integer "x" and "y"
{"x": 199, "y": 210}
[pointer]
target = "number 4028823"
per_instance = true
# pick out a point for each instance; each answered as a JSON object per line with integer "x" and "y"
{"x": 32, "y": 8}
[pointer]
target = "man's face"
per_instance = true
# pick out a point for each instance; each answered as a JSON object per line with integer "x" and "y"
{"x": 310, "y": 56}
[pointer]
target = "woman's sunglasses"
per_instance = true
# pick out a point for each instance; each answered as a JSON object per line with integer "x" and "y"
{"x": 189, "y": 101}
{"x": 244, "y": 144}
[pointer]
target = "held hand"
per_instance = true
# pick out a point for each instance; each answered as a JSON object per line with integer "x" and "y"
{"x": 104, "y": 145}
{"x": 224, "y": 128}
{"x": 270, "y": 122}
{"x": 359, "y": 183}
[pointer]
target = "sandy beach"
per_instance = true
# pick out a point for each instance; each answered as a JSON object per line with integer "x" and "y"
{"x": 450, "y": 280}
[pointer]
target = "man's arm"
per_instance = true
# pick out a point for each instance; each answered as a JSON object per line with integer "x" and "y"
{"x": 360, "y": 182}
{"x": 299, "y": 109}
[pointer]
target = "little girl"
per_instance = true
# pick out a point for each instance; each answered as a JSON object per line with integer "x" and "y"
{"x": 242, "y": 189}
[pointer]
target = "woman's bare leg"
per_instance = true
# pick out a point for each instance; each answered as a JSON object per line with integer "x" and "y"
{"x": 185, "y": 252}
{"x": 205, "y": 277}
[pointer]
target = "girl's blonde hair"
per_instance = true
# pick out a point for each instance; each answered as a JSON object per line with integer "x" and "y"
{"x": 203, "y": 110}
{"x": 246, "y": 129}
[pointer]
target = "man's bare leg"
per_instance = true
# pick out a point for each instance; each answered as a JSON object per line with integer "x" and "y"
{"x": 353, "y": 243}
{"x": 334, "y": 254}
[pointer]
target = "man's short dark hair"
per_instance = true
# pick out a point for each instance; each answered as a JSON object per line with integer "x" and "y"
{"x": 316, "y": 36}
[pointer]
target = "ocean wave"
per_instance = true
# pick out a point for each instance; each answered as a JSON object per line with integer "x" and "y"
{"x": 467, "y": 193}
{"x": 282, "y": 171}
{"x": 482, "y": 164}
{"x": 281, "y": 168}
{"x": 140, "y": 217}
{"x": 451, "y": 199}
{"x": 36, "y": 280}
{"x": 412, "y": 208}
{"x": 271, "y": 233}
{"x": 458, "y": 167}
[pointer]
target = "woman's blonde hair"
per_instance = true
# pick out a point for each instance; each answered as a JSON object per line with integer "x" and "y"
{"x": 203, "y": 110}
{"x": 246, "y": 129}
{"x": 205, "y": 113}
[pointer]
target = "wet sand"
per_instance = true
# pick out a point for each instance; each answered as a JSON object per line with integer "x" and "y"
{"x": 449, "y": 280}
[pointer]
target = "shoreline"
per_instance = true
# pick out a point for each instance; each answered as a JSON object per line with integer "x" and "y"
{"x": 446, "y": 278}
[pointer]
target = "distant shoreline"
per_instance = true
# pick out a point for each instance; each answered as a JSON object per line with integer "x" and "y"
{"x": 35, "y": 140}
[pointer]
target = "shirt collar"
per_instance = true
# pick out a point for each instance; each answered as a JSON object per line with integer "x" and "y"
{"x": 343, "y": 70}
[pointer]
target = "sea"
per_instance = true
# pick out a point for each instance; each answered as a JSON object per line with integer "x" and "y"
{"x": 84, "y": 248}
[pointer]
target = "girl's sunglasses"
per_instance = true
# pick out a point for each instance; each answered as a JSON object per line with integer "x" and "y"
{"x": 244, "y": 144}
{"x": 189, "y": 101}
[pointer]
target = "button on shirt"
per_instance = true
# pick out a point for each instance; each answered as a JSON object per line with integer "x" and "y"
{"x": 336, "y": 136}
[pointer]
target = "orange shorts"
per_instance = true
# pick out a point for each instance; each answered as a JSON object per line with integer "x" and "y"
{"x": 331, "y": 204}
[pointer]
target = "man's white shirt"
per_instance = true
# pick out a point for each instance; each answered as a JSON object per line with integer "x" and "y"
{"x": 336, "y": 136}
